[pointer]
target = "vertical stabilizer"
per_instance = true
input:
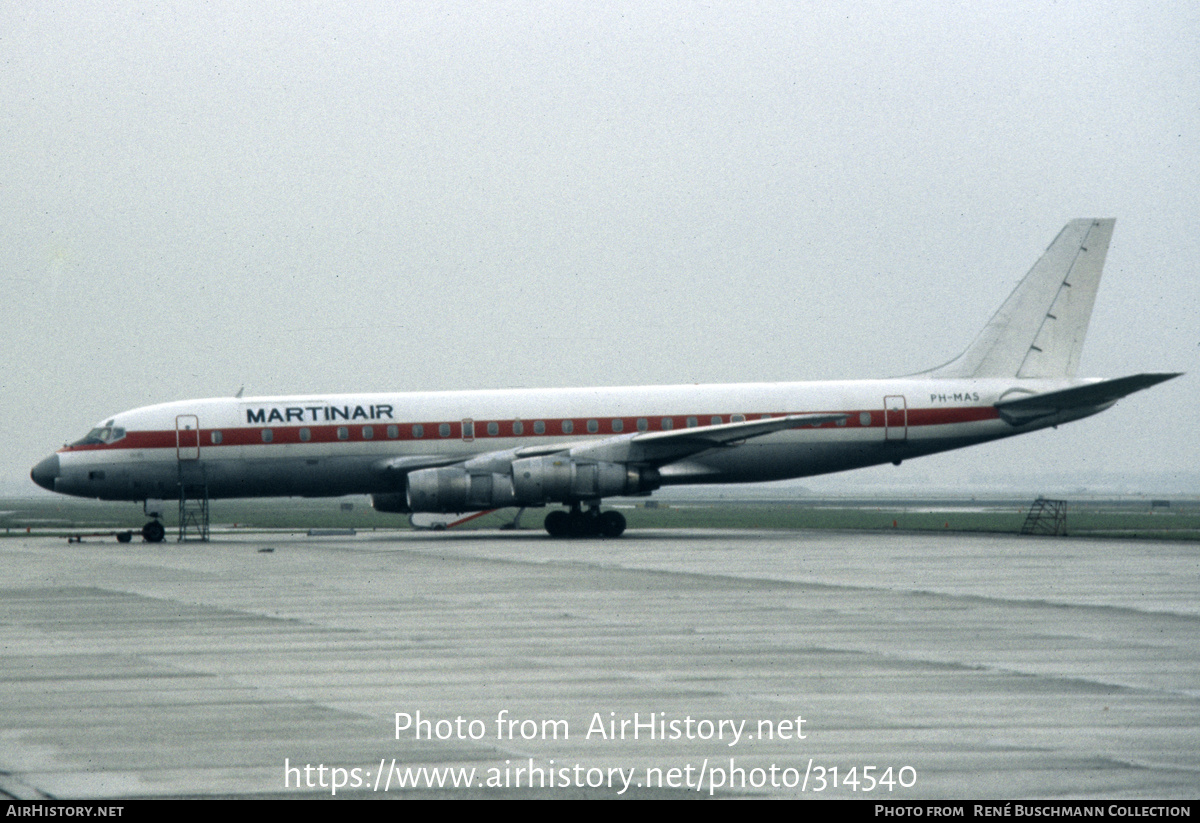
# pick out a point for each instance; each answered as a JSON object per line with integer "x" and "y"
{"x": 1039, "y": 330}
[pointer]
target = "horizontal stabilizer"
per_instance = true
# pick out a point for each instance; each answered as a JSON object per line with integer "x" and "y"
{"x": 1092, "y": 396}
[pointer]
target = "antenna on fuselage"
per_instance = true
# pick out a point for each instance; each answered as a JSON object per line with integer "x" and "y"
{"x": 241, "y": 390}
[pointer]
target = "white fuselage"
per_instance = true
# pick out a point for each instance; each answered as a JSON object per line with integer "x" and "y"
{"x": 328, "y": 445}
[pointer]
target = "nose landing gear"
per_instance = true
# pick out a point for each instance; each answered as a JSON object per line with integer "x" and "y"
{"x": 154, "y": 532}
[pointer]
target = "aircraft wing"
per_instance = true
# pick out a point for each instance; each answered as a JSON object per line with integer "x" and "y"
{"x": 404, "y": 465}
{"x": 1093, "y": 395}
{"x": 661, "y": 447}
{"x": 648, "y": 448}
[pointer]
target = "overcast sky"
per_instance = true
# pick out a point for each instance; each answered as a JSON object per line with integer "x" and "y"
{"x": 387, "y": 197}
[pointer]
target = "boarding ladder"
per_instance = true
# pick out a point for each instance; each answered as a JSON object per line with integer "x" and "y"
{"x": 193, "y": 511}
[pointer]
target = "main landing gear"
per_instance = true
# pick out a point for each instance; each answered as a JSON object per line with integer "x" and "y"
{"x": 578, "y": 523}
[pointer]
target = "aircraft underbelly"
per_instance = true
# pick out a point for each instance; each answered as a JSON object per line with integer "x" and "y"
{"x": 162, "y": 476}
{"x": 781, "y": 460}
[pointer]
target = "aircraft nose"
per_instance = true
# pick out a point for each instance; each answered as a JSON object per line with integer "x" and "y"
{"x": 46, "y": 472}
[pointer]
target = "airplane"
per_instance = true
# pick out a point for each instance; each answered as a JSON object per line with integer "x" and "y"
{"x": 470, "y": 451}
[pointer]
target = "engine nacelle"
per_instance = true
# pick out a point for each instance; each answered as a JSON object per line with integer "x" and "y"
{"x": 454, "y": 489}
{"x": 533, "y": 481}
{"x": 556, "y": 478}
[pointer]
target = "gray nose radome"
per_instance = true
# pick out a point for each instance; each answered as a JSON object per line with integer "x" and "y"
{"x": 46, "y": 472}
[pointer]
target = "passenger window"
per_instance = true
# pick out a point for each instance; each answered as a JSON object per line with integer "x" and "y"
{"x": 618, "y": 425}
{"x": 716, "y": 420}
{"x": 518, "y": 428}
{"x": 692, "y": 422}
{"x": 668, "y": 423}
{"x": 343, "y": 433}
{"x": 216, "y": 438}
{"x": 593, "y": 426}
{"x": 738, "y": 418}
{"x": 493, "y": 429}
{"x": 418, "y": 431}
{"x": 568, "y": 426}
{"x": 368, "y": 433}
{"x": 643, "y": 424}
{"x": 267, "y": 435}
{"x": 393, "y": 432}
{"x": 305, "y": 435}
{"x": 444, "y": 430}
{"x": 539, "y": 427}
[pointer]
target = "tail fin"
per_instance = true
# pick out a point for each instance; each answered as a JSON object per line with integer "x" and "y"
{"x": 1039, "y": 330}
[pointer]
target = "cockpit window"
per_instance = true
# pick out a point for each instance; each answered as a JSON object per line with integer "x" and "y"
{"x": 101, "y": 436}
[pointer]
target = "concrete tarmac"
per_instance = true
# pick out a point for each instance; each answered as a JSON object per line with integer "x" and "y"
{"x": 661, "y": 664}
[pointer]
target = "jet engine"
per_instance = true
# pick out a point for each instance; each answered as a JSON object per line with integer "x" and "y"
{"x": 454, "y": 489}
{"x": 531, "y": 481}
{"x": 566, "y": 480}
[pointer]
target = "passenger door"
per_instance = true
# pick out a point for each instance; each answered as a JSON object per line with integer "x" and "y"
{"x": 895, "y": 418}
{"x": 187, "y": 437}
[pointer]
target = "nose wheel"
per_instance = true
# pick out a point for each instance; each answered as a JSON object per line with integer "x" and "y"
{"x": 153, "y": 532}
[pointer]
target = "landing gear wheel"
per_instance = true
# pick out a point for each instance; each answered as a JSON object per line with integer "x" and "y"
{"x": 124, "y": 537}
{"x": 581, "y": 524}
{"x": 153, "y": 532}
{"x": 557, "y": 523}
{"x": 612, "y": 524}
